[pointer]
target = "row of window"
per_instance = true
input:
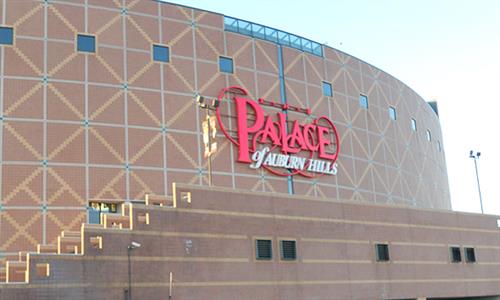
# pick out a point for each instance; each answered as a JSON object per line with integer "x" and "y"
{"x": 264, "y": 249}
{"x": 87, "y": 43}
{"x": 363, "y": 102}
{"x": 288, "y": 251}
{"x": 161, "y": 53}
{"x": 382, "y": 253}
{"x": 456, "y": 254}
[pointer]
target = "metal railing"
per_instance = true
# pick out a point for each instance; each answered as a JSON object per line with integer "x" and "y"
{"x": 272, "y": 35}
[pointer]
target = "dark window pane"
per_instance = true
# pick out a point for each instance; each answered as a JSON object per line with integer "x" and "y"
{"x": 392, "y": 113}
{"x": 288, "y": 250}
{"x": 6, "y": 36}
{"x": 382, "y": 251}
{"x": 327, "y": 89}
{"x": 86, "y": 43}
{"x": 470, "y": 255}
{"x": 413, "y": 124}
{"x": 161, "y": 53}
{"x": 363, "y": 101}
{"x": 225, "y": 64}
{"x": 456, "y": 256}
{"x": 263, "y": 249}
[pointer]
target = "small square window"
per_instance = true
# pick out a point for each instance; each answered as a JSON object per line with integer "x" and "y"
{"x": 327, "y": 89}
{"x": 86, "y": 43}
{"x": 225, "y": 64}
{"x": 456, "y": 256}
{"x": 470, "y": 255}
{"x": 382, "y": 252}
{"x": 288, "y": 250}
{"x": 392, "y": 113}
{"x": 161, "y": 53}
{"x": 429, "y": 137}
{"x": 263, "y": 249}
{"x": 413, "y": 124}
{"x": 363, "y": 101}
{"x": 6, "y": 36}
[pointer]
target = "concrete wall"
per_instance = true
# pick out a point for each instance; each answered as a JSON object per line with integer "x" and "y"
{"x": 208, "y": 245}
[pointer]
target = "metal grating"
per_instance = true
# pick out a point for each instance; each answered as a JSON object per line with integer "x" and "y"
{"x": 264, "y": 249}
{"x": 382, "y": 252}
{"x": 272, "y": 35}
{"x": 456, "y": 256}
{"x": 288, "y": 250}
{"x": 470, "y": 255}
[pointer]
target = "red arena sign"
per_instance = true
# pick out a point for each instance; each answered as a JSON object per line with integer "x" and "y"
{"x": 281, "y": 146}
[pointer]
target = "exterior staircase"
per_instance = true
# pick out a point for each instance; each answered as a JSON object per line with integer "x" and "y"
{"x": 21, "y": 269}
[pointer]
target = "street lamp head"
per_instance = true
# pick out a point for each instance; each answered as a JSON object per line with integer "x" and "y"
{"x": 478, "y": 154}
{"x": 210, "y": 103}
{"x": 471, "y": 154}
{"x": 215, "y": 103}
{"x": 200, "y": 100}
{"x": 134, "y": 245}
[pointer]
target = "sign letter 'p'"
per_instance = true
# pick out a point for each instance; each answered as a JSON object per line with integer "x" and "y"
{"x": 243, "y": 127}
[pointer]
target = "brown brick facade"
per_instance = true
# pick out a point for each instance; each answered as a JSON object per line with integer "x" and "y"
{"x": 116, "y": 124}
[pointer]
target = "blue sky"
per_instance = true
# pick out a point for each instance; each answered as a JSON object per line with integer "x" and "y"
{"x": 446, "y": 50}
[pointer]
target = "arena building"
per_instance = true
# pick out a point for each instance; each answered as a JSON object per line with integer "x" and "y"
{"x": 151, "y": 151}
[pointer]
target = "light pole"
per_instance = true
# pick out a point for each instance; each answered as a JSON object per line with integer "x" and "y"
{"x": 209, "y": 130}
{"x": 475, "y": 157}
{"x": 130, "y": 247}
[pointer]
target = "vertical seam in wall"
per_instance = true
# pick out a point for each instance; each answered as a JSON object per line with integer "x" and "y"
{"x": 283, "y": 101}
{"x": 351, "y": 125}
{"x": 229, "y": 103}
{"x": 163, "y": 106}
{"x": 2, "y": 59}
{"x": 399, "y": 172}
{"x": 331, "y": 107}
{"x": 87, "y": 124}
{"x": 45, "y": 146}
{"x": 226, "y": 79}
{"x": 384, "y": 142}
{"x": 368, "y": 135}
{"x": 125, "y": 103}
{"x": 306, "y": 80}
{"x": 330, "y": 104}
{"x": 4, "y": 9}
{"x": 257, "y": 92}
{"x": 197, "y": 110}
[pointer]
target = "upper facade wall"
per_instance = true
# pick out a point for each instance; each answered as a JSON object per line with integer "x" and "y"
{"x": 117, "y": 124}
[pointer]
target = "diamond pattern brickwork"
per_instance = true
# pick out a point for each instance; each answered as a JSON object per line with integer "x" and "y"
{"x": 115, "y": 124}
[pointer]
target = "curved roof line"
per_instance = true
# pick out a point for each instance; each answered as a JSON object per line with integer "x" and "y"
{"x": 323, "y": 45}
